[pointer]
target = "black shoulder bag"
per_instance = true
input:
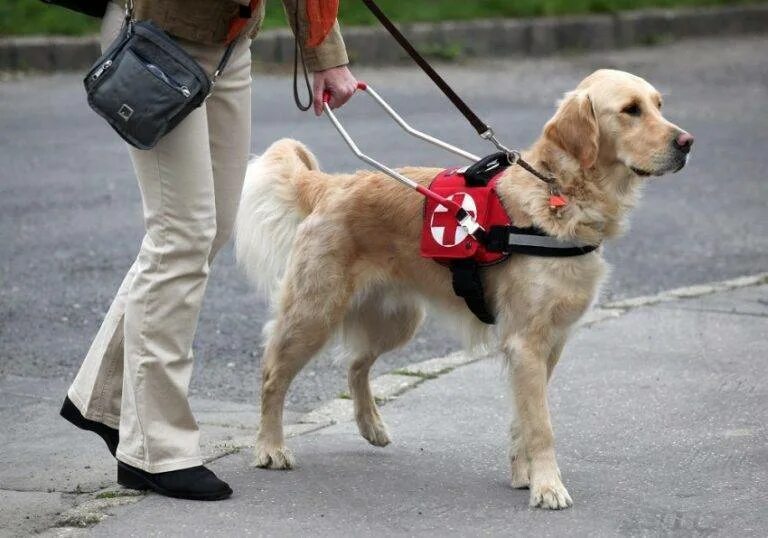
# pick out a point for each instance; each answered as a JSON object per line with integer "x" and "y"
{"x": 145, "y": 83}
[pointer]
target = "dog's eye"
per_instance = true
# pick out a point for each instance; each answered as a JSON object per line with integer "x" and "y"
{"x": 632, "y": 109}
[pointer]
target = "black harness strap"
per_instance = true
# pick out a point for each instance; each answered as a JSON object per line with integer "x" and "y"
{"x": 468, "y": 285}
{"x": 467, "y": 280}
{"x": 484, "y": 170}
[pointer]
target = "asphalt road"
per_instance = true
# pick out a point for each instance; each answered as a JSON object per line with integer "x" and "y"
{"x": 70, "y": 211}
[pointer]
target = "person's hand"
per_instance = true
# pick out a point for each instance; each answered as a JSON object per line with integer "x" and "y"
{"x": 338, "y": 81}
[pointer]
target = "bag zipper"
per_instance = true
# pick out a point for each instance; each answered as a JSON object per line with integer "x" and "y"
{"x": 100, "y": 71}
{"x": 158, "y": 73}
{"x": 169, "y": 80}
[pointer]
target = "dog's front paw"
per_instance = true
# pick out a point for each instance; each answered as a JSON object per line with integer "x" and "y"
{"x": 374, "y": 430}
{"x": 273, "y": 457}
{"x": 550, "y": 495}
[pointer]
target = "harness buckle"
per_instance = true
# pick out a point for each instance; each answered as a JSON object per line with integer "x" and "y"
{"x": 513, "y": 156}
{"x": 488, "y": 135}
{"x": 468, "y": 223}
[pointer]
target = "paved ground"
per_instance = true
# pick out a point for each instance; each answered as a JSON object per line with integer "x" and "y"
{"x": 660, "y": 424}
{"x": 70, "y": 221}
{"x": 659, "y": 416}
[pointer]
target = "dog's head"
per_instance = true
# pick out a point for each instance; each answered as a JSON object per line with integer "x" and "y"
{"x": 613, "y": 118}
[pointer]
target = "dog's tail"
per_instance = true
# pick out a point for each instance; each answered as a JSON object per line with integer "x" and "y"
{"x": 271, "y": 211}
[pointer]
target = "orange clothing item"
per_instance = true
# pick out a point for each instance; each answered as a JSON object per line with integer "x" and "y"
{"x": 321, "y": 15}
{"x": 238, "y": 24}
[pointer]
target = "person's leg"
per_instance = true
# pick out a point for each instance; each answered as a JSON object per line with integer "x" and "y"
{"x": 157, "y": 425}
{"x": 157, "y": 430}
{"x": 185, "y": 193}
{"x": 229, "y": 128}
{"x": 97, "y": 389}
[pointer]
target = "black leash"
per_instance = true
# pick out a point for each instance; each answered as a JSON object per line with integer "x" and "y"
{"x": 472, "y": 118}
{"x": 298, "y": 52}
{"x": 479, "y": 125}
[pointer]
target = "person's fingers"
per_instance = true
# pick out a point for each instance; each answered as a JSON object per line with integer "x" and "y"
{"x": 345, "y": 95}
{"x": 318, "y": 85}
{"x": 334, "y": 101}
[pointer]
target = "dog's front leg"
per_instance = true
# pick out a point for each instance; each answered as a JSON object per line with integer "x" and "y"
{"x": 518, "y": 459}
{"x": 528, "y": 358}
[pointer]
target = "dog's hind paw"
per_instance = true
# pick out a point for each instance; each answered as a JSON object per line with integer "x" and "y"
{"x": 374, "y": 431}
{"x": 550, "y": 496}
{"x": 279, "y": 458}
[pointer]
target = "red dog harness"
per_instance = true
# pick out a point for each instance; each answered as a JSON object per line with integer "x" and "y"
{"x": 445, "y": 241}
{"x": 442, "y": 237}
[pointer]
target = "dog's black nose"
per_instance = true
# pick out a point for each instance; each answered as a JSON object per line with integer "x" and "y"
{"x": 683, "y": 142}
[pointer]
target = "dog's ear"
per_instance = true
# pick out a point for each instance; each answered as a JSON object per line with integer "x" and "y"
{"x": 574, "y": 128}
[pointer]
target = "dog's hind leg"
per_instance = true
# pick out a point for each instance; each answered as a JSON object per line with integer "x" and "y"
{"x": 383, "y": 320}
{"x": 314, "y": 297}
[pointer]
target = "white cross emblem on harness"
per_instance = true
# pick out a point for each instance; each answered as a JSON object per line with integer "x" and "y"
{"x": 445, "y": 229}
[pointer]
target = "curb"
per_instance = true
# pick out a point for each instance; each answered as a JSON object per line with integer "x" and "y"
{"x": 446, "y": 40}
{"x": 689, "y": 292}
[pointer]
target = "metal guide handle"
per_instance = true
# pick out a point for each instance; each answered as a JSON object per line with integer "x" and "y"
{"x": 466, "y": 221}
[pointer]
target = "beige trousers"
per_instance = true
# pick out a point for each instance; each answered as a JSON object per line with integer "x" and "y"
{"x": 136, "y": 374}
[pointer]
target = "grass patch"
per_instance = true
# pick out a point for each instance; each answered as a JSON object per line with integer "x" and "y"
{"x": 450, "y": 52}
{"x": 25, "y": 17}
{"x": 403, "y": 371}
{"x": 109, "y": 495}
{"x": 118, "y": 493}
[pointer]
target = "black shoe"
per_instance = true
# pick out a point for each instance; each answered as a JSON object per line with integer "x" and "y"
{"x": 195, "y": 483}
{"x": 110, "y": 435}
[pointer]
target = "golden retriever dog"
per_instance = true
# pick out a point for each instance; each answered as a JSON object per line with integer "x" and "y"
{"x": 339, "y": 254}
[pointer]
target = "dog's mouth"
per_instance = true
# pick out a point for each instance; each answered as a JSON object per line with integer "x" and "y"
{"x": 682, "y": 163}
{"x": 640, "y": 172}
{"x": 673, "y": 167}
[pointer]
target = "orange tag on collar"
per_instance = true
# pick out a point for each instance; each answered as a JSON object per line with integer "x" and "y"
{"x": 557, "y": 200}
